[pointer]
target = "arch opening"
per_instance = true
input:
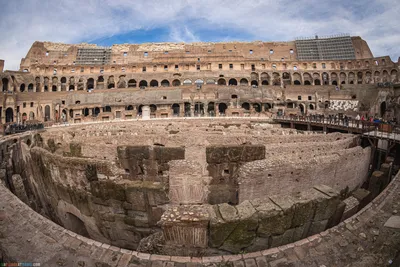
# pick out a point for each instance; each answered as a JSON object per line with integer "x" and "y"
{"x": 222, "y": 107}
{"x": 76, "y": 225}
{"x": 153, "y": 83}
{"x": 232, "y": 82}
{"x": 165, "y": 83}
{"x": 9, "y": 115}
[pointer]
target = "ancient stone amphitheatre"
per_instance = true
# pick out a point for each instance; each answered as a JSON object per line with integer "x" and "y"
{"x": 214, "y": 154}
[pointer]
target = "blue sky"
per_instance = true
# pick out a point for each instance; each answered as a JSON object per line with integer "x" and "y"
{"x": 139, "y": 21}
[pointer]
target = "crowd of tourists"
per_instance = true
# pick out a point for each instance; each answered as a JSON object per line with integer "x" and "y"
{"x": 340, "y": 119}
{"x": 22, "y": 127}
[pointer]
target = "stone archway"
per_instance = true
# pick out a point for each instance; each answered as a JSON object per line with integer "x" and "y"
{"x": 47, "y": 113}
{"x": 9, "y": 115}
{"x": 76, "y": 225}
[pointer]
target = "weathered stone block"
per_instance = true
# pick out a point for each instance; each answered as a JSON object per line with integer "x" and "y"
{"x": 241, "y": 237}
{"x": 228, "y": 212}
{"x": 352, "y": 206}
{"x": 253, "y": 152}
{"x": 325, "y": 206}
{"x": 136, "y": 199}
{"x": 222, "y": 193}
{"x": 376, "y": 183}
{"x": 301, "y": 231}
{"x": 75, "y": 150}
{"x": 137, "y": 218}
{"x": 165, "y": 154}
{"x": 273, "y": 220}
{"x": 157, "y": 196}
{"x": 337, "y": 216}
{"x": 133, "y": 152}
{"x": 260, "y": 243}
{"x": 317, "y": 227}
{"x": 245, "y": 231}
{"x": 330, "y": 192}
{"x": 363, "y": 196}
{"x": 108, "y": 189}
{"x": 219, "y": 229}
{"x": 245, "y": 153}
{"x": 304, "y": 209}
{"x": 276, "y": 241}
{"x": 385, "y": 168}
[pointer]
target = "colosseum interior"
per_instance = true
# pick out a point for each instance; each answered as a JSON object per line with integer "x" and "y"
{"x": 201, "y": 154}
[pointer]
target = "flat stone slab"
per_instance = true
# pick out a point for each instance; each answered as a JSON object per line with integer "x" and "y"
{"x": 393, "y": 222}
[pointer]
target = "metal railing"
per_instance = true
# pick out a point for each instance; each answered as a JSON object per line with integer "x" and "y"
{"x": 378, "y": 129}
{"x": 16, "y": 128}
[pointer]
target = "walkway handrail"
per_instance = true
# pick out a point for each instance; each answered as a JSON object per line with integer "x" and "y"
{"x": 369, "y": 128}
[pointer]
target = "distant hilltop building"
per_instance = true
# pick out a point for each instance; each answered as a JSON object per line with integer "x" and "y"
{"x": 85, "y": 82}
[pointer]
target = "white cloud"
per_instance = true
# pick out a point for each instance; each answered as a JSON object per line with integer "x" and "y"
{"x": 23, "y": 22}
{"x": 184, "y": 34}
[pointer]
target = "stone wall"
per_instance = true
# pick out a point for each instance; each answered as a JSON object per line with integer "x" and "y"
{"x": 155, "y": 167}
{"x": 294, "y": 172}
{"x": 259, "y": 224}
{"x": 224, "y": 162}
{"x": 347, "y": 244}
{"x": 111, "y": 207}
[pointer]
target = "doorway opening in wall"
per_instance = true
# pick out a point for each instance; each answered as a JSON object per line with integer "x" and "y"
{"x": 257, "y": 107}
{"x": 246, "y": 106}
{"x": 199, "y": 109}
{"x": 302, "y": 110}
{"x": 383, "y": 108}
{"x": 222, "y": 108}
{"x": 211, "y": 109}
{"x": 187, "y": 109}
{"x": 9, "y": 115}
{"x": 175, "y": 109}
{"x": 76, "y": 225}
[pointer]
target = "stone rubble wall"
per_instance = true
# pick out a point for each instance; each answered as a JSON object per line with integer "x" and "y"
{"x": 345, "y": 244}
{"x": 340, "y": 169}
{"x": 112, "y": 208}
{"x": 260, "y": 224}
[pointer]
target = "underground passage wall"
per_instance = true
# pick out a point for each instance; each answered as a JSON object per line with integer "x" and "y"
{"x": 227, "y": 194}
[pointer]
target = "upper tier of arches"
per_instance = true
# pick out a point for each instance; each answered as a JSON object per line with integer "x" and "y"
{"x": 254, "y": 79}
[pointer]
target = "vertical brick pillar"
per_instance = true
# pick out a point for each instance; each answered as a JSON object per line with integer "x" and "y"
{"x": 385, "y": 168}
{"x": 376, "y": 183}
{"x": 186, "y": 227}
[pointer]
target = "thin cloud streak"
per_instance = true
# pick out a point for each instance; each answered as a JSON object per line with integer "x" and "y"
{"x": 74, "y": 21}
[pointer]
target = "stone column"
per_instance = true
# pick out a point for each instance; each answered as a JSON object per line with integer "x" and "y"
{"x": 146, "y": 112}
{"x": 192, "y": 110}
{"x": 376, "y": 183}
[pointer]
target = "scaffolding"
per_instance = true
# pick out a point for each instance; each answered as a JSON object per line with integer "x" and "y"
{"x": 93, "y": 56}
{"x": 338, "y": 47}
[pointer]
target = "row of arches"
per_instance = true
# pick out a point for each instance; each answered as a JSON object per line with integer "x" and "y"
{"x": 11, "y": 115}
{"x": 46, "y": 84}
